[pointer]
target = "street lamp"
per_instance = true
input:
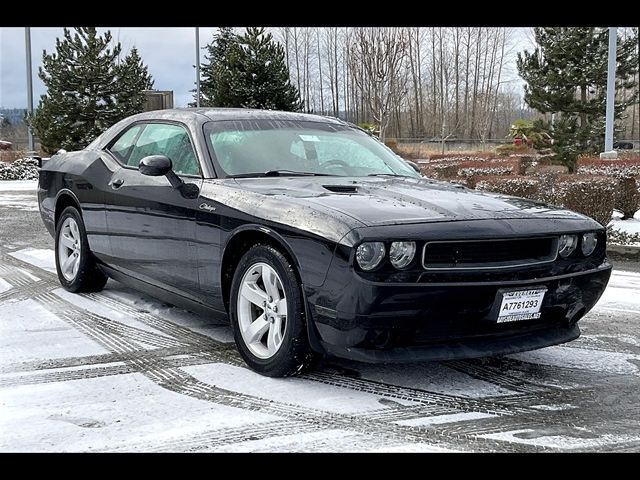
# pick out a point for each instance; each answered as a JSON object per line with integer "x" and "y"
{"x": 198, "y": 67}
{"x": 609, "y": 152}
{"x": 27, "y": 44}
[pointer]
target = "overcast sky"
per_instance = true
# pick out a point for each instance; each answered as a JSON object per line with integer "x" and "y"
{"x": 169, "y": 53}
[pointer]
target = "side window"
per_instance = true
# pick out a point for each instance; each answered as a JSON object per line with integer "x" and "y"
{"x": 169, "y": 140}
{"x": 122, "y": 146}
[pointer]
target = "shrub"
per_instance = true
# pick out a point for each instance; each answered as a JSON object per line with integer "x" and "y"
{"x": 538, "y": 170}
{"x": 627, "y": 198}
{"x": 22, "y": 169}
{"x": 588, "y": 194}
{"x": 479, "y": 156}
{"x": 490, "y": 167}
{"x": 621, "y": 237}
{"x": 628, "y": 167}
{"x": 440, "y": 170}
{"x": 509, "y": 148}
{"x": 626, "y": 171}
{"x": 516, "y": 185}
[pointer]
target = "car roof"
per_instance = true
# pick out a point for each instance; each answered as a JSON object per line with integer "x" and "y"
{"x": 233, "y": 114}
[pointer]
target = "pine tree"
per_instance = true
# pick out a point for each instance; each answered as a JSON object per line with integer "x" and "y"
{"x": 247, "y": 71}
{"x": 84, "y": 95}
{"x": 567, "y": 75}
{"x": 216, "y": 75}
{"x": 133, "y": 79}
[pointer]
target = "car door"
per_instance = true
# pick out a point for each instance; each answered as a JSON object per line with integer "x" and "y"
{"x": 151, "y": 224}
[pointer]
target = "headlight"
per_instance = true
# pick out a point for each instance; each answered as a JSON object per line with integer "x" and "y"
{"x": 369, "y": 255}
{"x": 589, "y": 242}
{"x": 568, "y": 244}
{"x": 401, "y": 253}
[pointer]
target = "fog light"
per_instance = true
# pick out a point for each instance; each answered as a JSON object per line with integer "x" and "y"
{"x": 589, "y": 242}
{"x": 401, "y": 253}
{"x": 567, "y": 245}
{"x": 369, "y": 255}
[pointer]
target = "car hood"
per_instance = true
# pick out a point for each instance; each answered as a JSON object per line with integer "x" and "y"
{"x": 374, "y": 201}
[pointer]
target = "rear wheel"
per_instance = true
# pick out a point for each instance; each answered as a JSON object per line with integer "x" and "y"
{"x": 75, "y": 264}
{"x": 267, "y": 314}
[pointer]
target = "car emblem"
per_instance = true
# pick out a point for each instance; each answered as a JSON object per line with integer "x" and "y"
{"x": 207, "y": 207}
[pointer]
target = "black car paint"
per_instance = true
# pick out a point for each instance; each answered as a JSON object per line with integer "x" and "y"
{"x": 147, "y": 235}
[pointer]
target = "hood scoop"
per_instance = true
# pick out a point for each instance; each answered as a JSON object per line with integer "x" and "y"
{"x": 341, "y": 188}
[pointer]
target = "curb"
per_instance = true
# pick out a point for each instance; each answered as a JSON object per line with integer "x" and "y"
{"x": 627, "y": 252}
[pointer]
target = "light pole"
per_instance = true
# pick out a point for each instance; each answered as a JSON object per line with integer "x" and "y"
{"x": 27, "y": 44}
{"x": 609, "y": 152}
{"x": 198, "y": 67}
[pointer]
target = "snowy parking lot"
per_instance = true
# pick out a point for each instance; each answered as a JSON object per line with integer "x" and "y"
{"x": 120, "y": 371}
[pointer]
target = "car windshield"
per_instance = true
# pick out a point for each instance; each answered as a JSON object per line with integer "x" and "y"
{"x": 249, "y": 148}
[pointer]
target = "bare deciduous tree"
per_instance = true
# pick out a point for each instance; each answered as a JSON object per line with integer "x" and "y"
{"x": 381, "y": 52}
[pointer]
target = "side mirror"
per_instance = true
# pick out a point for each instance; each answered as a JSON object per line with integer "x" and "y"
{"x": 158, "y": 165}
{"x": 155, "y": 165}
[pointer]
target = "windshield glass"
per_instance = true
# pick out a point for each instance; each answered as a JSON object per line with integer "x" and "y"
{"x": 289, "y": 147}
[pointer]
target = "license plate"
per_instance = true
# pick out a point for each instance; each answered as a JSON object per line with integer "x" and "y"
{"x": 521, "y": 305}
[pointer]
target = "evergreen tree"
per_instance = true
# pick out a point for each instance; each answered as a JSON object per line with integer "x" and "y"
{"x": 133, "y": 79}
{"x": 567, "y": 74}
{"x": 216, "y": 76}
{"x": 247, "y": 71}
{"x": 84, "y": 92}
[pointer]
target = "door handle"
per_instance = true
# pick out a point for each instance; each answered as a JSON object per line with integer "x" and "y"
{"x": 117, "y": 183}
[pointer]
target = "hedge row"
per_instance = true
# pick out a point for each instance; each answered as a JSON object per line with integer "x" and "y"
{"x": 516, "y": 185}
{"x": 619, "y": 179}
{"x": 462, "y": 167}
{"x": 624, "y": 167}
{"x": 22, "y": 169}
{"x": 626, "y": 171}
{"x": 591, "y": 195}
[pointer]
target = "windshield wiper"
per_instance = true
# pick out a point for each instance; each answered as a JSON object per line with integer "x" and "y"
{"x": 279, "y": 173}
{"x": 388, "y": 175}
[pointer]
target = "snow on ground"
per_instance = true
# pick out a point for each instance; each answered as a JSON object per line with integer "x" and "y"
{"x": 34, "y": 333}
{"x": 564, "y": 442}
{"x": 4, "y": 285}
{"x": 20, "y": 201}
{"x": 622, "y": 293}
{"x": 308, "y": 394}
{"x": 439, "y": 419}
{"x": 630, "y": 226}
{"x": 18, "y": 185}
{"x": 107, "y": 413}
{"x": 37, "y": 257}
{"x": 585, "y": 359}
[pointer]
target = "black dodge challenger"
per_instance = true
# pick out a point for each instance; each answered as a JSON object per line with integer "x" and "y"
{"x": 312, "y": 237}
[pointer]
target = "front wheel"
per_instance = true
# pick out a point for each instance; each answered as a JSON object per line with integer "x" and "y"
{"x": 267, "y": 314}
{"x": 77, "y": 270}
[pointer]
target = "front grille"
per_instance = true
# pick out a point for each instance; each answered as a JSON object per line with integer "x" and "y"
{"x": 487, "y": 254}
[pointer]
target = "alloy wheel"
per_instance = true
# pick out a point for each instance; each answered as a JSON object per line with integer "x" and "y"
{"x": 262, "y": 310}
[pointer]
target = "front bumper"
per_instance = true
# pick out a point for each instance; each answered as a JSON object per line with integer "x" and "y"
{"x": 386, "y": 322}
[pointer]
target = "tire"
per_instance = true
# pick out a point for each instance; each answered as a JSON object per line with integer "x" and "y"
{"x": 83, "y": 275}
{"x": 293, "y": 354}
